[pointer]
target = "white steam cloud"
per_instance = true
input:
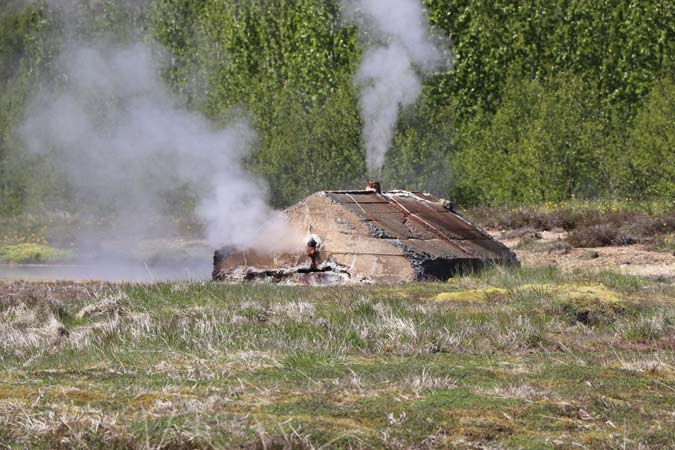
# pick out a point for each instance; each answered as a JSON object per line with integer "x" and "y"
{"x": 387, "y": 76}
{"x": 112, "y": 126}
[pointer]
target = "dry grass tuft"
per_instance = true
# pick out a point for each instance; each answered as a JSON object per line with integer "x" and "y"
{"x": 519, "y": 391}
{"x": 110, "y": 307}
{"x": 293, "y": 311}
{"x": 23, "y": 330}
{"x": 649, "y": 364}
{"x": 388, "y": 330}
{"x": 427, "y": 382}
{"x": 647, "y": 327}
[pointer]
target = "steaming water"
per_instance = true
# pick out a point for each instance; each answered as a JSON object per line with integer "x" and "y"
{"x": 125, "y": 145}
{"x": 107, "y": 260}
{"x": 112, "y": 270}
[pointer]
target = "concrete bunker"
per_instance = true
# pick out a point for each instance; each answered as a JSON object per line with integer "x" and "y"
{"x": 372, "y": 237}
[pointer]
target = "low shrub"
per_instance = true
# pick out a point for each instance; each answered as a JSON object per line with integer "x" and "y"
{"x": 598, "y": 236}
{"x": 523, "y": 233}
{"x": 570, "y": 218}
{"x": 511, "y": 219}
{"x": 587, "y": 225}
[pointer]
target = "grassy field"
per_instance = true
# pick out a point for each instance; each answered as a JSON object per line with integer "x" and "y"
{"x": 522, "y": 358}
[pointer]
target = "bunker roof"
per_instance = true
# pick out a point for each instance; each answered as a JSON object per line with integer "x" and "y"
{"x": 422, "y": 223}
{"x": 369, "y": 236}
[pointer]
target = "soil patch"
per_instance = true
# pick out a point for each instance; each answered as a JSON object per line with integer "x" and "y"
{"x": 636, "y": 259}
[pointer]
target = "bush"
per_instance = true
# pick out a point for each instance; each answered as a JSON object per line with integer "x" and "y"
{"x": 598, "y": 236}
{"x": 588, "y": 226}
{"x": 511, "y": 218}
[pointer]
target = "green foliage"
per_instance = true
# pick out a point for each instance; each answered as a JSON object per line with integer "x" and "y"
{"x": 174, "y": 26}
{"x": 619, "y": 46}
{"x": 541, "y": 145}
{"x": 420, "y": 157}
{"x": 544, "y": 100}
{"x": 650, "y": 160}
{"x": 19, "y": 44}
{"x": 288, "y": 64}
{"x": 248, "y": 51}
{"x": 310, "y": 150}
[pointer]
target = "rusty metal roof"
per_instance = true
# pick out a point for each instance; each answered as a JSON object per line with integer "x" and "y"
{"x": 422, "y": 224}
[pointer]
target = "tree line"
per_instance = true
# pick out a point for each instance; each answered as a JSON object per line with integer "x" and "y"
{"x": 543, "y": 101}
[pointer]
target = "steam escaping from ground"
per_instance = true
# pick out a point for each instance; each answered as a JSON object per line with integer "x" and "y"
{"x": 387, "y": 76}
{"x": 114, "y": 129}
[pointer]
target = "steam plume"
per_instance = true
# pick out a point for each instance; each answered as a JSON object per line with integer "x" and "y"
{"x": 114, "y": 129}
{"x": 387, "y": 76}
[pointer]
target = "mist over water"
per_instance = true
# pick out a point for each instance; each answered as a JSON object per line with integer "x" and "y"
{"x": 110, "y": 125}
{"x": 389, "y": 76}
{"x": 113, "y": 128}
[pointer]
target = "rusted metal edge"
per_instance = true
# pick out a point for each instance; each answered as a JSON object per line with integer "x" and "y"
{"x": 434, "y": 229}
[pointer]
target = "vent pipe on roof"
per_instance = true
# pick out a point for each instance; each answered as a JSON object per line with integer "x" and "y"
{"x": 374, "y": 186}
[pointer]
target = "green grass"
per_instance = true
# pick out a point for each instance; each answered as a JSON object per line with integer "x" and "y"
{"x": 207, "y": 365}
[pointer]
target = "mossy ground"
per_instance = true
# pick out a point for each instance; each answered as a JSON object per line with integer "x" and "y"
{"x": 543, "y": 359}
{"x": 34, "y": 253}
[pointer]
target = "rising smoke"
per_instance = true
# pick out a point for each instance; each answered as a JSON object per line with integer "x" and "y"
{"x": 109, "y": 123}
{"x": 389, "y": 75}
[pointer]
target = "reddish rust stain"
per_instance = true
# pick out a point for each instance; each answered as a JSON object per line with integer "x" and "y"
{"x": 415, "y": 218}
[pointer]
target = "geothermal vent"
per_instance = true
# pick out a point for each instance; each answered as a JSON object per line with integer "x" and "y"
{"x": 370, "y": 236}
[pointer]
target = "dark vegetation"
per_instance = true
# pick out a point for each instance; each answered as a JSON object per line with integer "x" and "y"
{"x": 545, "y": 101}
{"x": 588, "y": 225}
